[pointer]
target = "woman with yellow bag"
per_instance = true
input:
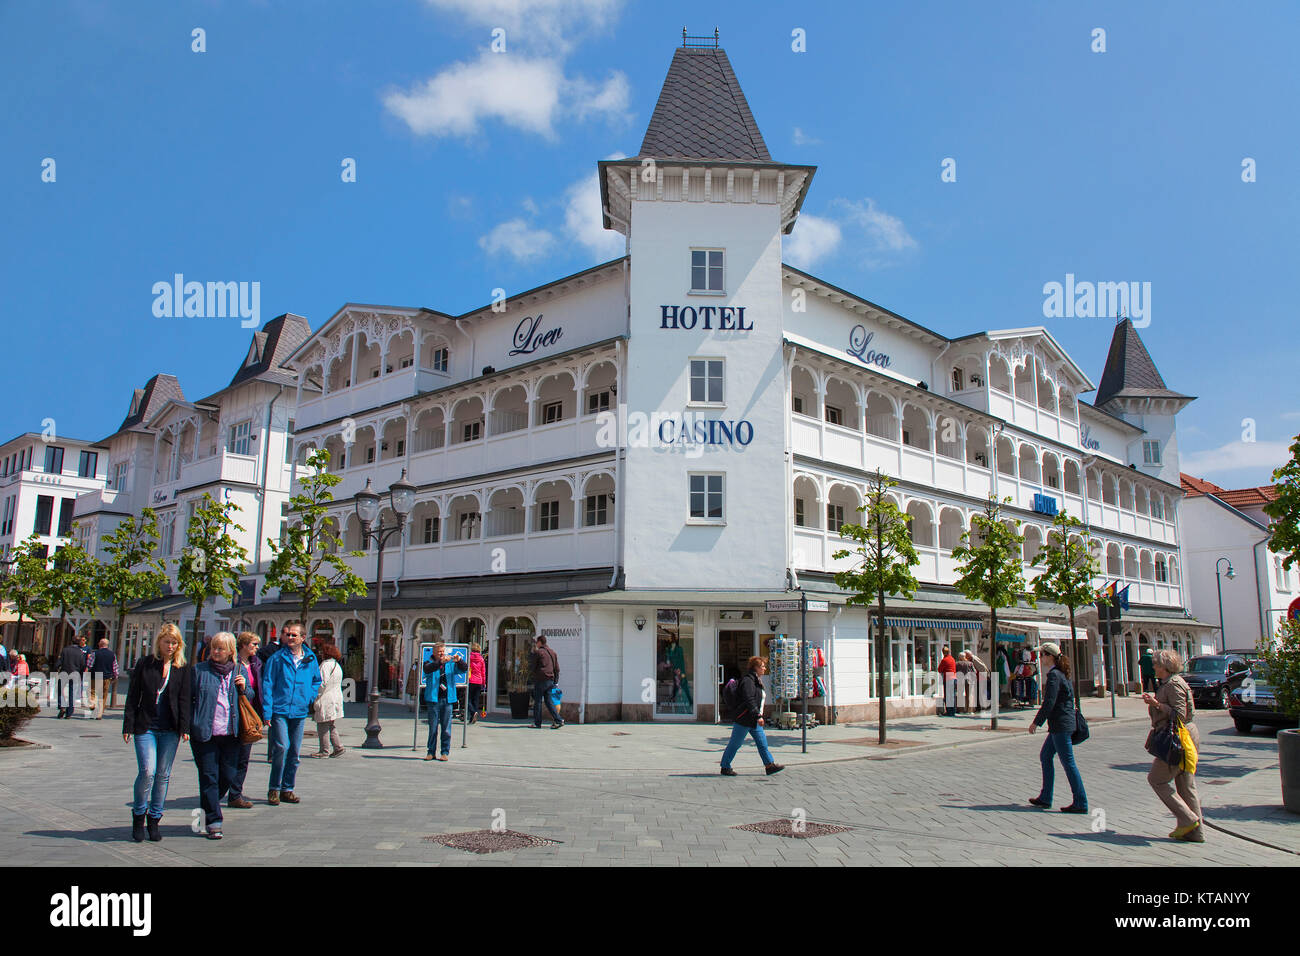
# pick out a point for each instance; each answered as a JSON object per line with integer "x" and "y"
{"x": 1175, "y": 742}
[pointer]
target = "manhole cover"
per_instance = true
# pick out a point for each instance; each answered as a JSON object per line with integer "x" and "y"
{"x": 489, "y": 841}
{"x": 787, "y": 828}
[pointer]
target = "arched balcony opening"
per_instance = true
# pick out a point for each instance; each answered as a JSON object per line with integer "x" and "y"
{"x": 1146, "y": 566}
{"x": 367, "y": 362}
{"x": 1130, "y": 562}
{"x": 465, "y": 519}
{"x": 882, "y": 417}
{"x": 509, "y": 411}
{"x": 967, "y": 373}
{"x": 1114, "y": 561}
{"x": 363, "y": 448}
{"x": 210, "y": 439}
{"x": 430, "y": 430}
{"x": 424, "y": 525}
{"x": 1067, "y": 405}
{"x": 1094, "y": 484}
{"x": 1173, "y": 570}
{"x": 841, "y": 404}
{"x": 393, "y": 444}
{"x": 401, "y": 352}
{"x": 1143, "y": 500}
{"x": 977, "y": 445}
{"x": 1126, "y": 500}
{"x": 803, "y": 392}
{"x": 1051, "y": 470}
{"x": 598, "y": 395}
{"x": 1006, "y": 456}
{"x": 598, "y": 501}
{"x": 921, "y": 524}
{"x": 949, "y": 437}
{"x": 1071, "y": 482}
{"x": 352, "y": 537}
{"x": 807, "y": 503}
{"x": 1026, "y": 390}
{"x": 916, "y": 427}
{"x": 506, "y": 513}
{"x": 1109, "y": 489}
{"x": 999, "y": 374}
{"x": 553, "y": 506}
{"x": 341, "y": 370}
{"x": 467, "y": 421}
{"x": 1028, "y": 459}
{"x": 555, "y": 399}
{"x": 1033, "y": 543}
{"x": 1161, "y": 569}
{"x": 951, "y": 527}
{"x": 338, "y": 453}
{"x": 1046, "y": 395}
{"x": 841, "y": 507}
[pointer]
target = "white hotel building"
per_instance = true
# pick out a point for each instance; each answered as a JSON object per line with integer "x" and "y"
{"x": 646, "y": 451}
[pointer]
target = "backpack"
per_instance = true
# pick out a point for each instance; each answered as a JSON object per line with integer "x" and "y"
{"x": 731, "y": 694}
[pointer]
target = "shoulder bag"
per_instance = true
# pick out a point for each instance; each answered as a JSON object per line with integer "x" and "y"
{"x": 250, "y": 721}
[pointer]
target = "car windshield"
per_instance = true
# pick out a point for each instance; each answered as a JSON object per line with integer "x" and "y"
{"x": 1208, "y": 665}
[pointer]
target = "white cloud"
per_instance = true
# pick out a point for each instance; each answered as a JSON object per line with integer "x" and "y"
{"x": 886, "y": 233}
{"x": 528, "y": 94}
{"x": 803, "y": 139}
{"x": 516, "y": 239}
{"x": 813, "y": 239}
{"x": 1290, "y": 416}
{"x": 1235, "y": 456}
{"x": 530, "y": 206}
{"x": 582, "y": 218}
{"x": 540, "y": 24}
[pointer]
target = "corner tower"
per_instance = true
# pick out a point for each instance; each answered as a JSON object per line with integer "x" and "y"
{"x": 703, "y": 207}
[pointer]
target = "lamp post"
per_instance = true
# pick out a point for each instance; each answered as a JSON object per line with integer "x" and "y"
{"x": 401, "y": 495}
{"x": 1223, "y": 638}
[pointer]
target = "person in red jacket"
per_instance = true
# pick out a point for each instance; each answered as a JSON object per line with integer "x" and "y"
{"x": 477, "y": 681}
{"x": 948, "y": 683}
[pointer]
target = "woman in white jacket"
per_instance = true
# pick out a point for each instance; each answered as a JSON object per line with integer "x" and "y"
{"x": 328, "y": 707}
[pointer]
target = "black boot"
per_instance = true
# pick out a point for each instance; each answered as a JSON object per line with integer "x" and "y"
{"x": 154, "y": 835}
{"x": 137, "y": 828}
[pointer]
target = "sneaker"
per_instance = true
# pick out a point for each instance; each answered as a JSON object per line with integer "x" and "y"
{"x": 340, "y": 752}
{"x": 288, "y": 796}
{"x": 728, "y": 772}
{"x": 319, "y": 753}
{"x": 774, "y": 768}
{"x": 214, "y": 833}
{"x": 239, "y": 803}
{"x": 557, "y": 725}
{"x": 273, "y": 798}
{"x": 1046, "y": 804}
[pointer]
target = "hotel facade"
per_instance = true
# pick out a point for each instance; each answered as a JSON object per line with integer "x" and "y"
{"x": 633, "y": 460}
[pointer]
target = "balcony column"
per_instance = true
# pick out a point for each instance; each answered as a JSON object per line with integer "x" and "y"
{"x": 352, "y": 378}
{"x": 577, "y": 517}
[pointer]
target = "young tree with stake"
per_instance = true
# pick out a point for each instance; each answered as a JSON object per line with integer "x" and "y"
{"x": 213, "y": 560}
{"x": 133, "y": 572}
{"x": 1069, "y": 566}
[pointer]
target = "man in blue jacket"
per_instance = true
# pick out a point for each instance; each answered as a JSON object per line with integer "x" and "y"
{"x": 290, "y": 682}
{"x": 440, "y": 693}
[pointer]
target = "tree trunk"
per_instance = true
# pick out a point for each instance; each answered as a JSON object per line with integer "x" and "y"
{"x": 194, "y": 631}
{"x": 1074, "y": 640}
{"x": 993, "y": 642}
{"x": 121, "y": 650}
{"x": 880, "y": 638}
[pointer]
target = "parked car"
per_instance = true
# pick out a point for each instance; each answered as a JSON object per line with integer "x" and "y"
{"x": 1256, "y": 704}
{"x": 1213, "y": 678}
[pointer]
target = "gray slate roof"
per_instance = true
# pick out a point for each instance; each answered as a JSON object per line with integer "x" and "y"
{"x": 702, "y": 113}
{"x": 271, "y": 346}
{"x": 145, "y": 402}
{"x": 1129, "y": 371}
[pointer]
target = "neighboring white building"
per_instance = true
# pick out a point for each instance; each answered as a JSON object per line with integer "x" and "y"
{"x": 41, "y": 476}
{"x": 1220, "y": 523}
{"x": 234, "y": 444}
{"x": 672, "y": 438}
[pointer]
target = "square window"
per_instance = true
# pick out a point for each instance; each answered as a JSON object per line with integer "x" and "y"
{"x": 472, "y": 431}
{"x": 796, "y": 404}
{"x": 706, "y": 380}
{"x": 552, "y": 412}
{"x": 706, "y": 497}
{"x": 401, "y": 447}
{"x": 834, "y": 416}
{"x": 239, "y": 441}
{"x": 370, "y": 455}
{"x": 87, "y": 465}
{"x": 441, "y": 359}
{"x": 548, "y": 516}
{"x": 706, "y": 270}
{"x": 597, "y": 510}
{"x": 834, "y": 517}
{"x": 598, "y": 402}
{"x": 430, "y": 530}
{"x": 53, "y": 460}
{"x": 1151, "y": 452}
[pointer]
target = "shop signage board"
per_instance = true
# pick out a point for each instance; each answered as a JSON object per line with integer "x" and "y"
{"x": 460, "y": 651}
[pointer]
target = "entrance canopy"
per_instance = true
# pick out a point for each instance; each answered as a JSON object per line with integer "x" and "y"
{"x": 1038, "y": 630}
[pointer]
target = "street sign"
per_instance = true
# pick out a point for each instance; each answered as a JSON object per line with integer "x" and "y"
{"x": 783, "y": 606}
{"x": 819, "y": 605}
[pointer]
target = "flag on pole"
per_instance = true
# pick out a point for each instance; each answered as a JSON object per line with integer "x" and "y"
{"x": 1123, "y": 597}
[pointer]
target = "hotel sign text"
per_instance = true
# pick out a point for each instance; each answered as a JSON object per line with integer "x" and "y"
{"x": 729, "y": 318}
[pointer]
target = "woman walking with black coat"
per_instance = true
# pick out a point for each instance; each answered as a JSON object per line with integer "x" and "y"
{"x": 1057, "y": 712}
{"x": 158, "y": 711}
{"x": 749, "y": 719}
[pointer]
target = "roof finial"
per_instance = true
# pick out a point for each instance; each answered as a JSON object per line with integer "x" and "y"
{"x": 700, "y": 42}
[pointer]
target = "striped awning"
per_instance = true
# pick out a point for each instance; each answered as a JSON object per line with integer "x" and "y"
{"x": 931, "y": 622}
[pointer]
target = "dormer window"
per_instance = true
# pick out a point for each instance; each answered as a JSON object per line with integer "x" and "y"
{"x": 441, "y": 359}
{"x": 706, "y": 270}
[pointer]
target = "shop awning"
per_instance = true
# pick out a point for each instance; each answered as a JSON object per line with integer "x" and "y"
{"x": 931, "y": 622}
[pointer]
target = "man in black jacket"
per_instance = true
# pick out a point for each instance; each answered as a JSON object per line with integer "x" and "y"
{"x": 103, "y": 664}
{"x": 71, "y": 662}
{"x": 546, "y": 674}
{"x": 750, "y": 700}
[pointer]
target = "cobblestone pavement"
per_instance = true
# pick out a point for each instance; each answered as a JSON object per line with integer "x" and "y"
{"x": 958, "y": 797}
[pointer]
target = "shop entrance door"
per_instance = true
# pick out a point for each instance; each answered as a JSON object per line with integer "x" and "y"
{"x": 735, "y": 648}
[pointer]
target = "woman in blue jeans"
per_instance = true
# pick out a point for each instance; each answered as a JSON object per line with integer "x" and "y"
{"x": 158, "y": 715}
{"x": 749, "y": 719}
{"x": 1057, "y": 712}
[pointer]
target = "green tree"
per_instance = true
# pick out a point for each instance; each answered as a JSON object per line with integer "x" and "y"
{"x": 213, "y": 560}
{"x": 1282, "y": 667}
{"x": 24, "y": 583}
{"x": 72, "y": 584}
{"x": 133, "y": 571}
{"x": 990, "y": 566}
{"x": 307, "y": 561}
{"x": 1284, "y": 529}
{"x": 1069, "y": 566}
{"x": 884, "y": 557}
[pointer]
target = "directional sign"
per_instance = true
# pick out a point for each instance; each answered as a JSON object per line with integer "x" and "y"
{"x": 1293, "y": 611}
{"x": 783, "y": 606}
{"x": 819, "y": 605}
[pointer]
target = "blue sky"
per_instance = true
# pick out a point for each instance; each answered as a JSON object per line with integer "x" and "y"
{"x": 476, "y": 170}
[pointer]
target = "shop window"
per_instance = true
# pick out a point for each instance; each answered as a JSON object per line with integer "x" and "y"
{"x": 706, "y": 270}
{"x": 706, "y": 497}
{"x": 674, "y": 662}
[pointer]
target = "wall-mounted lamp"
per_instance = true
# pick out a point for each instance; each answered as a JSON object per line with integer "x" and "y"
{"x": 639, "y": 621}
{"x": 773, "y": 623}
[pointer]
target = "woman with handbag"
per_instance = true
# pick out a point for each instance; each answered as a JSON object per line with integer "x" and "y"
{"x": 1170, "y": 706}
{"x": 329, "y": 702}
{"x": 219, "y": 683}
{"x": 1058, "y": 713}
{"x": 247, "y": 645}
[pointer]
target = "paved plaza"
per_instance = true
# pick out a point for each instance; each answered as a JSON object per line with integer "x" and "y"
{"x": 950, "y": 792}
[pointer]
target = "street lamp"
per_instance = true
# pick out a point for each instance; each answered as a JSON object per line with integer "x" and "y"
{"x": 1223, "y": 638}
{"x": 402, "y": 498}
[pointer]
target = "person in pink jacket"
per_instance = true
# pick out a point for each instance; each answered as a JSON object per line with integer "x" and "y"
{"x": 477, "y": 681}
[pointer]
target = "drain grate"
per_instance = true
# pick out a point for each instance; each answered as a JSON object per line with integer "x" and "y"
{"x": 785, "y": 828}
{"x": 489, "y": 841}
